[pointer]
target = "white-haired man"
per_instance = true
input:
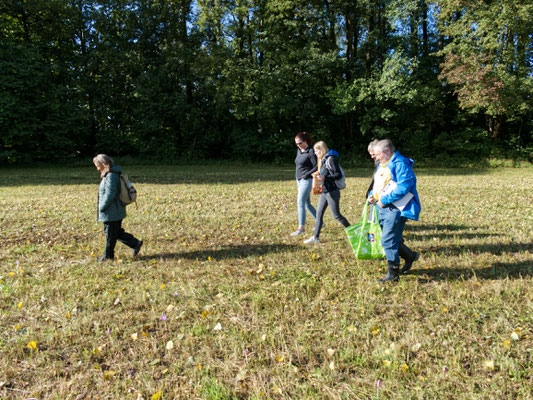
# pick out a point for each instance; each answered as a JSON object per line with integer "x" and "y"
{"x": 395, "y": 192}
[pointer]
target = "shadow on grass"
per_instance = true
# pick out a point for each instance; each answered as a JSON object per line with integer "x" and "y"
{"x": 226, "y": 252}
{"x": 496, "y": 249}
{"x": 495, "y": 271}
{"x": 423, "y": 232}
{"x": 416, "y": 227}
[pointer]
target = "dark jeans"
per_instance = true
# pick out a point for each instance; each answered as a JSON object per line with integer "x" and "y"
{"x": 331, "y": 199}
{"x": 113, "y": 232}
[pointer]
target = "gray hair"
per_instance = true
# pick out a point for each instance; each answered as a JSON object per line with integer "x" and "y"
{"x": 372, "y": 144}
{"x": 103, "y": 160}
{"x": 385, "y": 144}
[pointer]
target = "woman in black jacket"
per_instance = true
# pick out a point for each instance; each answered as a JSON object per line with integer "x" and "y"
{"x": 306, "y": 164}
{"x": 329, "y": 172}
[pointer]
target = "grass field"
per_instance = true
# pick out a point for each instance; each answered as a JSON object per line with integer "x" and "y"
{"x": 223, "y": 304}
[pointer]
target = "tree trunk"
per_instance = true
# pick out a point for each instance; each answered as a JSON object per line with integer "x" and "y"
{"x": 495, "y": 125}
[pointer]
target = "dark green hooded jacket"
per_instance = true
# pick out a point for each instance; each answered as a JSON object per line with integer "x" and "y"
{"x": 109, "y": 206}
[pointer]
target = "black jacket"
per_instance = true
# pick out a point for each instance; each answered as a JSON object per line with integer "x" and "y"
{"x": 306, "y": 163}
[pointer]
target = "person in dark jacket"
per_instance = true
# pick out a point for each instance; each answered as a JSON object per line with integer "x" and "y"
{"x": 328, "y": 172}
{"x": 110, "y": 209}
{"x": 306, "y": 164}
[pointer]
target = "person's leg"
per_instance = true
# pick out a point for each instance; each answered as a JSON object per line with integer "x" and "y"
{"x": 127, "y": 238}
{"x": 308, "y": 186}
{"x": 321, "y": 209}
{"x": 301, "y": 203}
{"x": 392, "y": 225}
{"x": 408, "y": 255}
{"x": 111, "y": 230}
{"x": 334, "y": 199}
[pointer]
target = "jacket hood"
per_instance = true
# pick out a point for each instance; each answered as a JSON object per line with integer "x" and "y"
{"x": 397, "y": 157}
{"x": 115, "y": 168}
{"x": 332, "y": 153}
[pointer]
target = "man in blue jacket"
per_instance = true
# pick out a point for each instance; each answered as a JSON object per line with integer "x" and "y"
{"x": 395, "y": 192}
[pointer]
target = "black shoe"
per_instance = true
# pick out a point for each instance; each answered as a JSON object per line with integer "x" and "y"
{"x": 138, "y": 248}
{"x": 104, "y": 258}
{"x": 408, "y": 264}
{"x": 393, "y": 273}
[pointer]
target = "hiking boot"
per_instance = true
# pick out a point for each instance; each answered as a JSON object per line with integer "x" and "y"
{"x": 138, "y": 248}
{"x": 409, "y": 263}
{"x": 393, "y": 273}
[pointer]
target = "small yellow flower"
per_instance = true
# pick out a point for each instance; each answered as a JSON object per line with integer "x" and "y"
{"x": 375, "y": 330}
{"x": 20, "y": 305}
{"x": 387, "y": 363}
{"x": 11, "y": 273}
{"x": 506, "y": 344}
{"x": 404, "y": 367}
{"x": 109, "y": 374}
{"x": 32, "y": 345}
{"x": 162, "y": 286}
{"x": 156, "y": 396}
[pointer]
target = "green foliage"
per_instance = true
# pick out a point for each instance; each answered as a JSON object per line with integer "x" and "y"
{"x": 230, "y": 79}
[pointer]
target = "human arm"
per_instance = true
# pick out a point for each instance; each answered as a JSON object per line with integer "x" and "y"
{"x": 111, "y": 191}
{"x": 405, "y": 180}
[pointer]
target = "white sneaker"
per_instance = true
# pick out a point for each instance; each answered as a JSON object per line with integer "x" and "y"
{"x": 298, "y": 232}
{"x": 312, "y": 240}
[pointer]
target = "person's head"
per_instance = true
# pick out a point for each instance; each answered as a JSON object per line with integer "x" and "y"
{"x": 383, "y": 150}
{"x": 303, "y": 140}
{"x": 320, "y": 149}
{"x": 371, "y": 146}
{"x": 102, "y": 162}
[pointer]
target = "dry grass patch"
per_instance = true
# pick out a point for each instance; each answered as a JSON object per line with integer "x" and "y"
{"x": 223, "y": 304}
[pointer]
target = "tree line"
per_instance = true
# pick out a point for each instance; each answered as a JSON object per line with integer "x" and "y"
{"x": 239, "y": 78}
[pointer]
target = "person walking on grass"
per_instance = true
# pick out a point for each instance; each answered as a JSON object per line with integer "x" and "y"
{"x": 395, "y": 193}
{"x": 306, "y": 164}
{"x": 110, "y": 210}
{"x": 376, "y": 163}
{"x": 328, "y": 172}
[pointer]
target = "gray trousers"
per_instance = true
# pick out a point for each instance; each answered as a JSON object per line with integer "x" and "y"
{"x": 331, "y": 199}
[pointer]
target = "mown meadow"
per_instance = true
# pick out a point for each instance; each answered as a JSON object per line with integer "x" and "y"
{"x": 222, "y": 303}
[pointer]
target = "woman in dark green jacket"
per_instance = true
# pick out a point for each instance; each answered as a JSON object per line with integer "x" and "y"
{"x": 110, "y": 210}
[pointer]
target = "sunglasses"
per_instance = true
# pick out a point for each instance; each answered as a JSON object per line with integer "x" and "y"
{"x": 298, "y": 143}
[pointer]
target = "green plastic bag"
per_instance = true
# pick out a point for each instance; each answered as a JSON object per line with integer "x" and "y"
{"x": 365, "y": 236}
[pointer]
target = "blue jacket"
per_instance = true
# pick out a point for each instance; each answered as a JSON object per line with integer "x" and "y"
{"x": 401, "y": 169}
{"x": 109, "y": 206}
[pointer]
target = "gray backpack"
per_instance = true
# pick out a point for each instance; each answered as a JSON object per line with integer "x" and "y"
{"x": 341, "y": 182}
{"x": 128, "y": 194}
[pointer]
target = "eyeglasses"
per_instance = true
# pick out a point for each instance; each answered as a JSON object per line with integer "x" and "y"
{"x": 298, "y": 143}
